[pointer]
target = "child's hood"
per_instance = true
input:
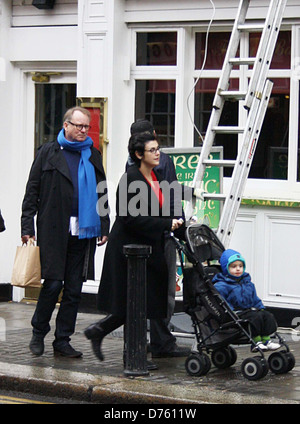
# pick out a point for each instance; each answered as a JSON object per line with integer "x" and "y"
{"x": 229, "y": 256}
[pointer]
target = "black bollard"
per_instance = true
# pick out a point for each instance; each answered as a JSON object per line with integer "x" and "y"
{"x": 136, "y": 321}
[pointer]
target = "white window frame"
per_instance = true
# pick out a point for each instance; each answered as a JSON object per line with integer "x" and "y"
{"x": 175, "y": 72}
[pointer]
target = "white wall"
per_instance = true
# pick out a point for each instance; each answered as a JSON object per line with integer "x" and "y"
{"x": 196, "y": 11}
{"x": 268, "y": 238}
{"x": 9, "y": 192}
{"x": 24, "y": 14}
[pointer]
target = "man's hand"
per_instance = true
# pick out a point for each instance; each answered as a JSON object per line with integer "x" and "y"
{"x": 25, "y": 239}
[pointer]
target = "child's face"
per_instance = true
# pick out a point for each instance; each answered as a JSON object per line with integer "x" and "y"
{"x": 236, "y": 268}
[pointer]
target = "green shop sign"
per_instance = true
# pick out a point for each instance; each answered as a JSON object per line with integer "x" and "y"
{"x": 185, "y": 162}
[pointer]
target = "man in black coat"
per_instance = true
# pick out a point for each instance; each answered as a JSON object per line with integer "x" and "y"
{"x": 67, "y": 190}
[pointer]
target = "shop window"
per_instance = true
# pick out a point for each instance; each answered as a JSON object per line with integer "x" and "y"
{"x": 51, "y": 103}
{"x": 156, "y": 49}
{"x": 217, "y": 48}
{"x": 271, "y": 155}
{"x": 204, "y": 95}
{"x": 155, "y": 101}
{"x": 282, "y": 53}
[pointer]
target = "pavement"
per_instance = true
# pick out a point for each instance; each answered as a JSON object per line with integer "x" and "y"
{"x": 87, "y": 379}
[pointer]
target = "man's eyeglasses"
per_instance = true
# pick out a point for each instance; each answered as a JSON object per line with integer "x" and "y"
{"x": 79, "y": 127}
{"x": 153, "y": 150}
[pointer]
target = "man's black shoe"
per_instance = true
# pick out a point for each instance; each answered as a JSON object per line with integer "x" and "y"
{"x": 66, "y": 350}
{"x": 36, "y": 345}
{"x": 176, "y": 352}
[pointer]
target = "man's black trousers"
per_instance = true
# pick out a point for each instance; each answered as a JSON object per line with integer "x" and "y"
{"x": 51, "y": 289}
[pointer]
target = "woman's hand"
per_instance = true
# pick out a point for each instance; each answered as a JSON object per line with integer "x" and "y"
{"x": 176, "y": 223}
{"x": 101, "y": 240}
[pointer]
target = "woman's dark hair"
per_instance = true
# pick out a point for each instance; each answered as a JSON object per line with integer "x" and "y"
{"x": 137, "y": 144}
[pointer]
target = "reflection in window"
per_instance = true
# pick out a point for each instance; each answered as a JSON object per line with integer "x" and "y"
{"x": 156, "y": 48}
{"x": 270, "y": 159}
{"x": 52, "y": 101}
{"x": 282, "y": 54}
{"x": 271, "y": 155}
{"x": 204, "y": 95}
{"x": 217, "y": 47}
{"x": 155, "y": 101}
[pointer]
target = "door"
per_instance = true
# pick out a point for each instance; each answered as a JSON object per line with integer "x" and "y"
{"x": 51, "y": 102}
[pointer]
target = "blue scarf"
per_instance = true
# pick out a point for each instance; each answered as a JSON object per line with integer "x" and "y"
{"x": 89, "y": 220}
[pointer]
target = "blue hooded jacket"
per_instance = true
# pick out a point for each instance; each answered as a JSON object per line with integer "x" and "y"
{"x": 239, "y": 292}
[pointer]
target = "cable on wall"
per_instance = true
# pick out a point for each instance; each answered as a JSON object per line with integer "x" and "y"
{"x": 201, "y": 70}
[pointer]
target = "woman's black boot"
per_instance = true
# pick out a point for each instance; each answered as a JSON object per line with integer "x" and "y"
{"x": 97, "y": 331}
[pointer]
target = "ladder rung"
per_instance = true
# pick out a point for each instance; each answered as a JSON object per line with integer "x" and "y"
{"x": 228, "y": 130}
{"x": 213, "y": 196}
{"x": 233, "y": 95}
{"x": 242, "y": 61}
{"x": 219, "y": 162}
{"x": 251, "y": 27}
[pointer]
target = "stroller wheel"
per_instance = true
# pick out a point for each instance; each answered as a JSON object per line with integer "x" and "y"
{"x": 253, "y": 368}
{"x": 197, "y": 364}
{"x": 208, "y": 363}
{"x": 291, "y": 359}
{"x": 281, "y": 362}
{"x": 265, "y": 365}
{"x": 233, "y": 355}
{"x": 223, "y": 358}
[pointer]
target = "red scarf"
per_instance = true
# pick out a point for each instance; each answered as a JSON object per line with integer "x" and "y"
{"x": 155, "y": 187}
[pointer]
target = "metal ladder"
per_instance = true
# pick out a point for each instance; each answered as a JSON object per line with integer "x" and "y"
{"x": 256, "y": 100}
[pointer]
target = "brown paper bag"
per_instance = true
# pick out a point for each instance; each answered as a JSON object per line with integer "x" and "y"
{"x": 27, "y": 267}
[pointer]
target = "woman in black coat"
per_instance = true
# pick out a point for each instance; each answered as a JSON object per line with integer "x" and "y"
{"x": 141, "y": 219}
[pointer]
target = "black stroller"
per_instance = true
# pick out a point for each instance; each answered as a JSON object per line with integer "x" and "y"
{"x": 215, "y": 325}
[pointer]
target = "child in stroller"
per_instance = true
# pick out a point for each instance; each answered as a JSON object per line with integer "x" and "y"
{"x": 236, "y": 287}
{"x": 216, "y": 325}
